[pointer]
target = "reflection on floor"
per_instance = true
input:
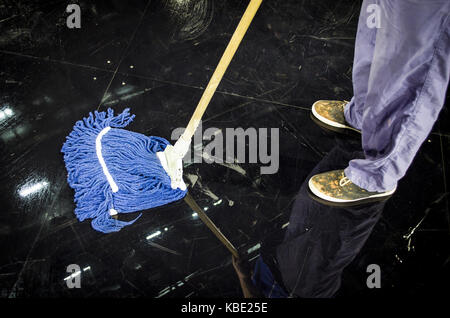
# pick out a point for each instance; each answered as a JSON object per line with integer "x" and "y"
{"x": 155, "y": 57}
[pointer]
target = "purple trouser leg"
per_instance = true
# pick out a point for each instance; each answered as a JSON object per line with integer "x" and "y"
{"x": 365, "y": 44}
{"x": 400, "y": 74}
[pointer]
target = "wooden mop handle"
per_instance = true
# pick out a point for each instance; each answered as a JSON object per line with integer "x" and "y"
{"x": 221, "y": 67}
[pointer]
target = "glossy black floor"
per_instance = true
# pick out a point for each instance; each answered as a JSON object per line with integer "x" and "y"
{"x": 155, "y": 57}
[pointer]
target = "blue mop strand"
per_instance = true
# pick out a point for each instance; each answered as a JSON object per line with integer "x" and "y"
{"x": 131, "y": 161}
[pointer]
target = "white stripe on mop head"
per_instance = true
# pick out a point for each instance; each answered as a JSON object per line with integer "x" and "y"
{"x": 98, "y": 148}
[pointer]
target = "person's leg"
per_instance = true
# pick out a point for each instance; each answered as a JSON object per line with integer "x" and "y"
{"x": 342, "y": 115}
{"x": 364, "y": 48}
{"x": 321, "y": 241}
{"x": 406, "y": 90}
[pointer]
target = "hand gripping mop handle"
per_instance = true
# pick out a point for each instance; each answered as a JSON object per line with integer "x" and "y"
{"x": 182, "y": 144}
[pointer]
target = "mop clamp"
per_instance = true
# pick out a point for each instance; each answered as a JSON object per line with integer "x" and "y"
{"x": 172, "y": 161}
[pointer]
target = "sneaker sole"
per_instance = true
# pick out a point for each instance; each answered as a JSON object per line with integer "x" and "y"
{"x": 324, "y": 199}
{"x": 329, "y": 124}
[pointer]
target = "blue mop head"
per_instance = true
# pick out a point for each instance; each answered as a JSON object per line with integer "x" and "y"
{"x": 114, "y": 170}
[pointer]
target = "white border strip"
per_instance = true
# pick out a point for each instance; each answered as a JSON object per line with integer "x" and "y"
{"x": 98, "y": 149}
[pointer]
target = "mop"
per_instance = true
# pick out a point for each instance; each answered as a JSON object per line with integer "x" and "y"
{"x": 113, "y": 170}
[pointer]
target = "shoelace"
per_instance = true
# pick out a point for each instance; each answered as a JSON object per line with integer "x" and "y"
{"x": 344, "y": 181}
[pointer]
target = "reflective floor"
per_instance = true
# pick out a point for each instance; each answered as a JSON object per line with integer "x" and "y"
{"x": 156, "y": 57}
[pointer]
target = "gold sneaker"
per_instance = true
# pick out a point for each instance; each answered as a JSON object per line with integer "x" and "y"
{"x": 330, "y": 115}
{"x": 334, "y": 188}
